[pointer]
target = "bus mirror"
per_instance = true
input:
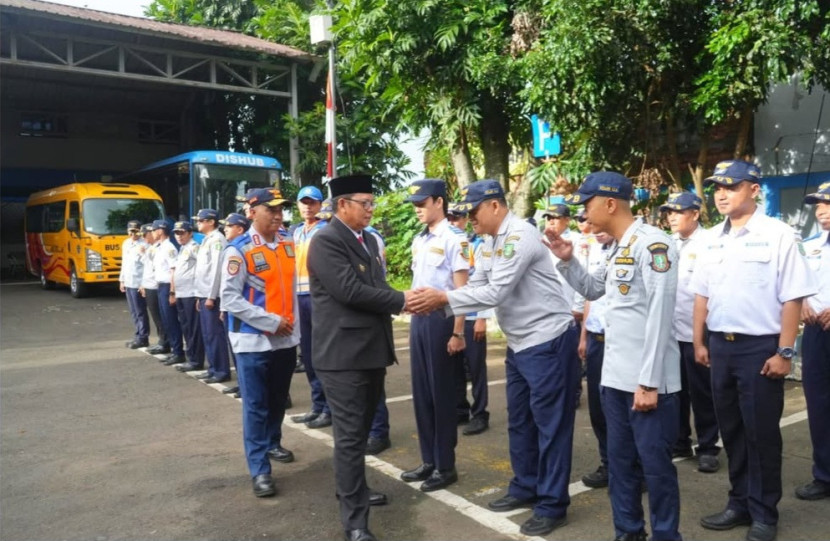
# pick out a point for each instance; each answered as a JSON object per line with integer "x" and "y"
{"x": 72, "y": 225}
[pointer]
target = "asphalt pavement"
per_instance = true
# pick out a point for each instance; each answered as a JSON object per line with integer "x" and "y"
{"x": 99, "y": 442}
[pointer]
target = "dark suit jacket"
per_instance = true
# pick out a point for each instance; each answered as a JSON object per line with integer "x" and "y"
{"x": 351, "y": 302}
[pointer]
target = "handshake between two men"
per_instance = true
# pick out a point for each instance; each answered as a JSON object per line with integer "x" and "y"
{"x": 424, "y": 300}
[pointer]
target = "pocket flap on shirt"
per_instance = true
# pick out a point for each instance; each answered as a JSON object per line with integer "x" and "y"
{"x": 623, "y": 274}
{"x": 761, "y": 255}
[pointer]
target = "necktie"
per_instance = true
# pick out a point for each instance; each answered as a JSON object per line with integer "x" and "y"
{"x": 363, "y": 243}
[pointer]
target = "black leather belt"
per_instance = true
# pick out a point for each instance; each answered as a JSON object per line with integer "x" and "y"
{"x": 597, "y": 336}
{"x": 736, "y": 337}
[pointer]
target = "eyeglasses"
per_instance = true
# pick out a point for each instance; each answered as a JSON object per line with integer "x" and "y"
{"x": 581, "y": 219}
{"x": 367, "y": 205}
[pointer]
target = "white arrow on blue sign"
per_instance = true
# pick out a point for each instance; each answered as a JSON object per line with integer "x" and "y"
{"x": 545, "y": 143}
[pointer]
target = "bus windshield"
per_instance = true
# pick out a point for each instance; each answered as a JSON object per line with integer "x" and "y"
{"x": 110, "y": 216}
{"x": 216, "y": 186}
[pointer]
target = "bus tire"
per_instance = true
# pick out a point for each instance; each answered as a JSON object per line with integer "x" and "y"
{"x": 77, "y": 288}
{"x": 44, "y": 283}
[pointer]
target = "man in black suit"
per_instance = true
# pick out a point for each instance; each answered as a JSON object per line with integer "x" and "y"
{"x": 351, "y": 338}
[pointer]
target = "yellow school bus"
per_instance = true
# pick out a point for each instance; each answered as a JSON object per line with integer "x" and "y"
{"x": 74, "y": 232}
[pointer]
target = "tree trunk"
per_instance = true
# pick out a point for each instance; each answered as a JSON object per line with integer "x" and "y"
{"x": 520, "y": 198}
{"x": 671, "y": 143}
{"x": 699, "y": 170}
{"x": 462, "y": 163}
{"x": 743, "y": 134}
{"x": 494, "y": 132}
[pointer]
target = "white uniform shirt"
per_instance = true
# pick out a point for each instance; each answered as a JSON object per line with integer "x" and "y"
{"x": 184, "y": 270}
{"x": 478, "y": 253}
{"x": 818, "y": 257}
{"x": 639, "y": 282}
{"x": 234, "y": 276}
{"x": 516, "y": 276}
{"x": 747, "y": 275}
{"x": 132, "y": 262}
{"x": 582, "y": 252}
{"x": 165, "y": 260}
{"x": 437, "y": 254}
{"x": 597, "y": 257}
{"x": 148, "y": 277}
{"x": 569, "y": 292}
{"x": 688, "y": 248}
{"x": 209, "y": 265}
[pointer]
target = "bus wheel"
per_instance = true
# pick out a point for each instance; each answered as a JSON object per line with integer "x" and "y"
{"x": 76, "y": 287}
{"x": 44, "y": 283}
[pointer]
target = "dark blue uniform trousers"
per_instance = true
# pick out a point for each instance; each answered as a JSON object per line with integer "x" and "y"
{"x": 138, "y": 312}
{"x": 541, "y": 393}
{"x": 264, "y": 379}
{"x": 318, "y": 397}
{"x": 475, "y": 357}
{"x": 815, "y": 377}
{"x": 170, "y": 320}
{"x": 433, "y": 388}
{"x": 593, "y": 375}
{"x": 749, "y": 408}
{"x": 152, "y": 298}
{"x": 380, "y": 423}
{"x": 640, "y": 443}
{"x": 189, "y": 320}
{"x": 215, "y": 340}
{"x": 696, "y": 396}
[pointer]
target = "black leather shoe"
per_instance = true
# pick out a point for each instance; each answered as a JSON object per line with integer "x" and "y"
{"x": 188, "y": 367}
{"x": 439, "y": 479}
{"x": 206, "y": 375}
{"x": 322, "y": 421}
{"x": 708, "y": 463}
{"x": 539, "y": 526}
{"x": 639, "y": 536}
{"x": 421, "y": 473}
{"x": 305, "y": 417}
{"x": 725, "y": 520}
{"x": 761, "y": 532}
{"x": 281, "y": 454}
{"x": 135, "y": 344}
{"x": 463, "y": 419}
{"x": 158, "y": 350}
{"x": 174, "y": 359}
{"x": 377, "y": 498}
{"x": 813, "y": 491}
{"x": 299, "y": 367}
{"x": 230, "y": 390}
{"x": 477, "y": 426}
{"x": 214, "y": 379}
{"x": 264, "y": 485}
{"x": 237, "y": 395}
{"x": 596, "y": 479}
{"x": 682, "y": 452}
{"x": 360, "y": 534}
{"x": 375, "y": 446}
{"x": 509, "y": 503}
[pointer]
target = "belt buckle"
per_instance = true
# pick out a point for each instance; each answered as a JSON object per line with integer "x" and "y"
{"x": 729, "y": 337}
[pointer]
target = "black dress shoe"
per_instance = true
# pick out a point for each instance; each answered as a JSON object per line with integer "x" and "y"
{"x": 230, "y": 390}
{"x": 421, "y": 473}
{"x": 813, "y": 491}
{"x": 477, "y": 426}
{"x": 281, "y": 454}
{"x": 174, "y": 359}
{"x": 158, "y": 350}
{"x": 214, "y": 379}
{"x": 322, "y": 421}
{"x": 726, "y": 520}
{"x": 188, "y": 367}
{"x": 596, "y": 479}
{"x": 761, "y": 532}
{"x": 299, "y": 367}
{"x": 682, "y": 452}
{"x": 237, "y": 395}
{"x": 708, "y": 463}
{"x": 264, "y": 485}
{"x": 305, "y": 417}
{"x": 135, "y": 344}
{"x": 509, "y": 503}
{"x": 539, "y": 525}
{"x": 463, "y": 419}
{"x": 639, "y": 536}
{"x": 375, "y": 446}
{"x": 206, "y": 375}
{"x": 360, "y": 534}
{"x": 439, "y": 479}
{"x": 377, "y": 498}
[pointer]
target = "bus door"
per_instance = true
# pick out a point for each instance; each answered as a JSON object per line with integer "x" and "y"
{"x": 53, "y": 252}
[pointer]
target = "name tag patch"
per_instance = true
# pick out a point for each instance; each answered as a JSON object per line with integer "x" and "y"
{"x": 624, "y": 261}
{"x": 436, "y": 250}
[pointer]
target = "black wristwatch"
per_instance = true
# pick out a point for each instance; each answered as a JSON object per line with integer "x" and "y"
{"x": 458, "y": 335}
{"x": 785, "y": 353}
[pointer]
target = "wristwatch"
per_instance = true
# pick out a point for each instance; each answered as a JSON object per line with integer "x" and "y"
{"x": 648, "y": 389}
{"x": 785, "y": 353}
{"x": 458, "y": 335}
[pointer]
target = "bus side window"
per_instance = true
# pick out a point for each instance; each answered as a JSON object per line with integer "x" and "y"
{"x": 55, "y": 216}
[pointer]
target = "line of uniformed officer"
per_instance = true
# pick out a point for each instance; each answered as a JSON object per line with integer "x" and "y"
{"x": 129, "y": 280}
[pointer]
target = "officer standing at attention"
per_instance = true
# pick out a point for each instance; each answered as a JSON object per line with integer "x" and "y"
{"x": 208, "y": 280}
{"x": 163, "y": 262}
{"x": 440, "y": 259}
{"x": 258, "y": 293}
{"x": 815, "y": 346}
{"x": 749, "y": 284}
{"x": 149, "y": 290}
{"x": 129, "y": 281}
{"x": 683, "y": 214}
{"x": 516, "y": 277}
{"x": 234, "y": 225}
{"x": 183, "y": 294}
{"x": 309, "y": 202}
{"x": 352, "y": 339}
{"x": 475, "y": 338}
{"x": 641, "y": 368}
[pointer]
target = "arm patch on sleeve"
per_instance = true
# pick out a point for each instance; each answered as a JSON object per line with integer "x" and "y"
{"x": 234, "y": 262}
{"x": 659, "y": 257}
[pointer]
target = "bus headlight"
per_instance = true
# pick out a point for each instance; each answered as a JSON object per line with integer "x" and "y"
{"x": 93, "y": 261}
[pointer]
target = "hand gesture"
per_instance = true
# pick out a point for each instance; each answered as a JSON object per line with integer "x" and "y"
{"x": 561, "y": 248}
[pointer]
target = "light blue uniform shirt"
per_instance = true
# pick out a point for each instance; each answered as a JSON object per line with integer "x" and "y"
{"x": 597, "y": 256}
{"x": 437, "y": 254}
{"x": 684, "y": 306}
{"x": 209, "y": 265}
{"x": 132, "y": 262}
{"x": 184, "y": 271}
{"x": 818, "y": 257}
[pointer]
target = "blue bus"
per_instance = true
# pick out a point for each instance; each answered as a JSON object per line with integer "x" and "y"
{"x": 205, "y": 179}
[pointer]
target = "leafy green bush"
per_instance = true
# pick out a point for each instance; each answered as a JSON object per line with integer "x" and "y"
{"x": 396, "y": 221}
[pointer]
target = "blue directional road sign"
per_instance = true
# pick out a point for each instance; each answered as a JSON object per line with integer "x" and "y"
{"x": 545, "y": 143}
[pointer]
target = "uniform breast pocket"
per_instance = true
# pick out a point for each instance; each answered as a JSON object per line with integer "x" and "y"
{"x": 435, "y": 258}
{"x": 622, "y": 282}
{"x": 754, "y": 265}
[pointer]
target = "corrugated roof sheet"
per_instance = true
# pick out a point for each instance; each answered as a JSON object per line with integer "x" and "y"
{"x": 200, "y": 34}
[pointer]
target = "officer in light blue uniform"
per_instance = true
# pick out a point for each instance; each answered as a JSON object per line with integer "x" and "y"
{"x": 641, "y": 368}
{"x": 183, "y": 288}
{"x": 163, "y": 262}
{"x": 133, "y": 252}
{"x": 815, "y": 345}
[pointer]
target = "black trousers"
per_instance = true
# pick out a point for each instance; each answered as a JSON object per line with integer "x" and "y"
{"x": 696, "y": 396}
{"x": 353, "y": 397}
{"x": 152, "y": 296}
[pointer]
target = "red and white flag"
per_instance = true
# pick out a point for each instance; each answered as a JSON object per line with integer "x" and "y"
{"x": 331, "y": 133}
